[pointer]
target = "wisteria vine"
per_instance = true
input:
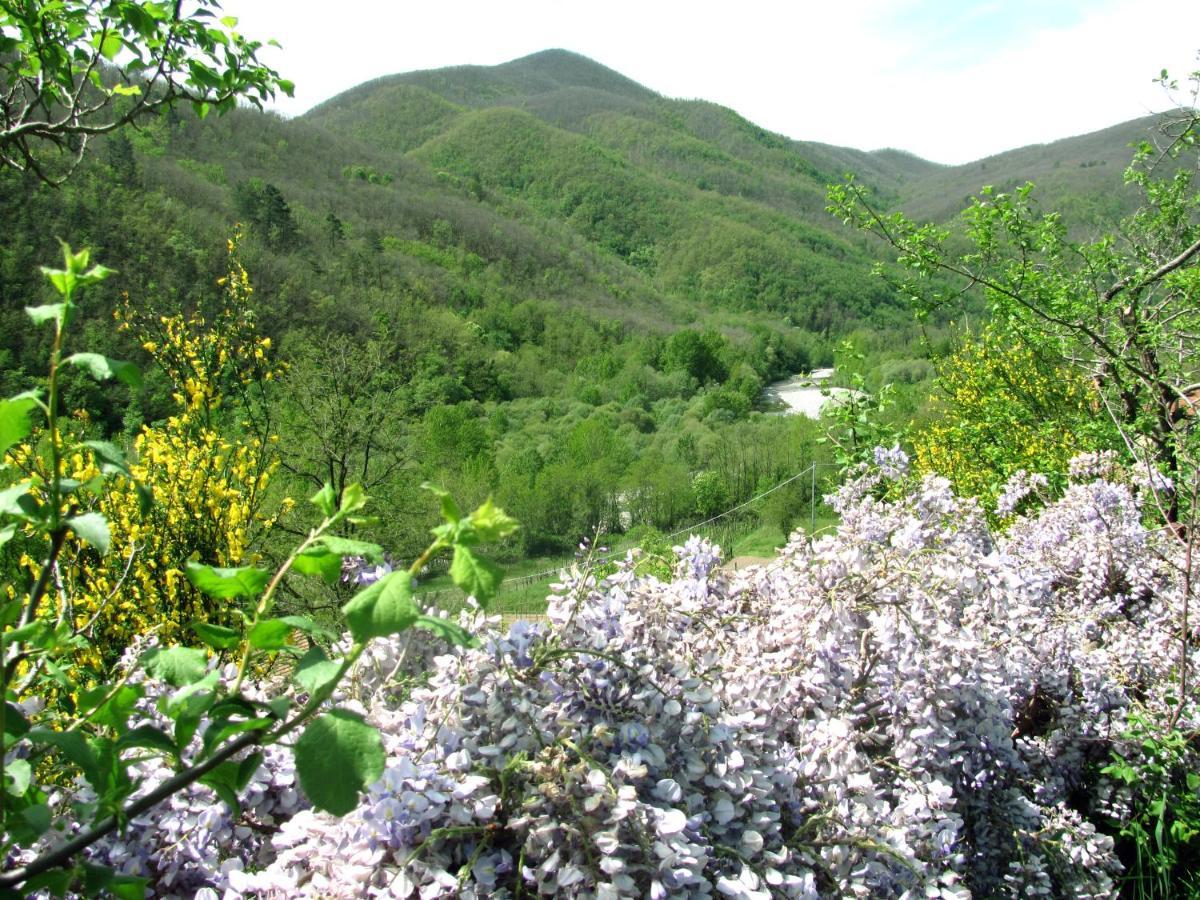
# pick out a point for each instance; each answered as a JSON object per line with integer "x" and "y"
{"x": 910, "y": 707}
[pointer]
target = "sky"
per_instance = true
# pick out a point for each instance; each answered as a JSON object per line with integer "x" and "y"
{"x": 949, "y": 80}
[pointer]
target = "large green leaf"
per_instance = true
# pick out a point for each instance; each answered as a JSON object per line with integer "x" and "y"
{"x": 491, "y": 523}
{"x": 476, "y": 575}
{"x": 177, "y": 666}
{"x": 103, "y": 368}
{"x": 447, "y": 631}
{"x": 93, "y": 528}
{"x": 147, "y": 737}
{"x": 270, "y": 634}
{"x": 324, "y": 500}
{"x": 19, "y": 502}
{"x": 217, "y": 636}
{"x": 17, "y": 775}
{"x": 111, "y": 711}
{"x": 338, "y": 756}
{"x": 15, "y": 424}
{"x": 319, "y": 561}
{"x": 225, "y": 584}
{"x": 315, "y": 670}
{"x": 450, "y": 510}
{"x": 112, "y": 460}
{"x": 52, "y": 312}
{"x": 383, "y": 608}
{"x": 348, "y": 547}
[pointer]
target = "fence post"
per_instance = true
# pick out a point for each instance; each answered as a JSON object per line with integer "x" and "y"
{"x": 812, "y": 502}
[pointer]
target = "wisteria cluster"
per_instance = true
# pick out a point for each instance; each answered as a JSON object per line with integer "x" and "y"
{"x": 911, "y": 707}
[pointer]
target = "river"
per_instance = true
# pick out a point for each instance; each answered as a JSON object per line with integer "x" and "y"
{"x": 803, "y": 394}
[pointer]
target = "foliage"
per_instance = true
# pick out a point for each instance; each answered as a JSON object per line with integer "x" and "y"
{"x": 72, "y": 70}
{"x": 1164, "y": 831}
{"x": 207, "y": 489}
{"x": 184, "y": 710}
{"x": 1122, "y": 311}
{"x": 873, "y": 717}
{"x": 1003, "y": 407}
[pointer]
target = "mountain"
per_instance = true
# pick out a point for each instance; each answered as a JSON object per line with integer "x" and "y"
{"x": 548, "y": 282}
{"x": 1082, "y": 177}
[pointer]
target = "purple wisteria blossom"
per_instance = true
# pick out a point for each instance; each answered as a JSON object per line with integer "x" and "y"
{"x": 911, "y": 707}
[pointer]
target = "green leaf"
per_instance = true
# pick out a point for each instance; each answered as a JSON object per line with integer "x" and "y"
{"x": 383, "y": 608}
{"x": 476, "y": 575}
{"x": 269, "y": 634}
{"x": 315, "y": 670}
{"x": 353, "y": 499}
{"x": 450, "y": 510}
{"x": 221, "y": 729}
{"x": 109, "y": 456}
{"x": 56, "y": 881}
{"x": 347, "y": 547}
{"x": 15, "y": 723}
{"x": 108, "y": 44}
{"x": 17, "y": 775}
{"x": 225, "y": 584}
{"x": 319, "y": 561}
{"x": 128, "y": 887}
{"x": 217, "y": 636}
{"x": 35, "y": 633}
{"x": 52, "y": 312}
{"x": 93, "y": 528}
{"x": 177, "y": 666}
{"x": 192, "y": 699}
{"x": 103, "y": 368}
{"x": 279, "y": 707}
{"x": 308, "y": 626}
{"x": 74, "y": 746}
{"x": 447, "y": 631}
{"x": 491, "y": 523}
{"x": 15, "y": 424}
{"x": 111, "y": 712}
{"x": 148, "y": 737}
{"x": 126, "y": 90}
{"x": 38, "y": 818}
{"x": 18, "y": 502}
{"x": 324, "y": 500}
{"x": 337, "y": 756}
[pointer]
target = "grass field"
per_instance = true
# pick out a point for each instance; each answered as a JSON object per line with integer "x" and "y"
{"x": 527, "y": 582}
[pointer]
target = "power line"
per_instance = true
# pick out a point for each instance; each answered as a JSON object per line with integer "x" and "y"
{"x": 810, "y": 469}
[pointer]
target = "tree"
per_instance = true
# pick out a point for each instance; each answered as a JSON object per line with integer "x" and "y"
{"x": 73, "y": 69}
{"x": 263, "y": 205}
{"x": 1124, "y": 309}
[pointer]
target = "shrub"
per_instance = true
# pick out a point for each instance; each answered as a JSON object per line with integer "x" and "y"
{"x": 872, "y": 716}
{"x": 1006, "y": 408}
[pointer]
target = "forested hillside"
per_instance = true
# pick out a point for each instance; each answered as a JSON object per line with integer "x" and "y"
{"x": 503, "y": 267}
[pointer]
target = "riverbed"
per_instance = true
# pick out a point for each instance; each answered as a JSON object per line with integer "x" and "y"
{"x": 800, "y": 396}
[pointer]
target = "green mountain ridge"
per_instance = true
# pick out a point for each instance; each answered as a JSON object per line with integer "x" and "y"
{"x": 568, "y": 288}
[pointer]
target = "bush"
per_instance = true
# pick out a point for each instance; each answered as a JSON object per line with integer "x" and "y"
{"x": 191, "y": 490}
{"x": 872, "y": 716}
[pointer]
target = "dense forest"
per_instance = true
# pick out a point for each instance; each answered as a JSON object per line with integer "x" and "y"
{"x": 538, "y": 280}
{"x": 559, "y": 313}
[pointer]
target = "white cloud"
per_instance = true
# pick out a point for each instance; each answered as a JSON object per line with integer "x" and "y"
{"x": 850, "y": 73}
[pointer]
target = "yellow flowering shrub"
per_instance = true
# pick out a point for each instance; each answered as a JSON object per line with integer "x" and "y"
{"x": 1002, "y": 408}
{"x": 207, "y": 487}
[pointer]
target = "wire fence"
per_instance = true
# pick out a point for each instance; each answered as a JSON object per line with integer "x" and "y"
{"x": 516, "y": 583}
